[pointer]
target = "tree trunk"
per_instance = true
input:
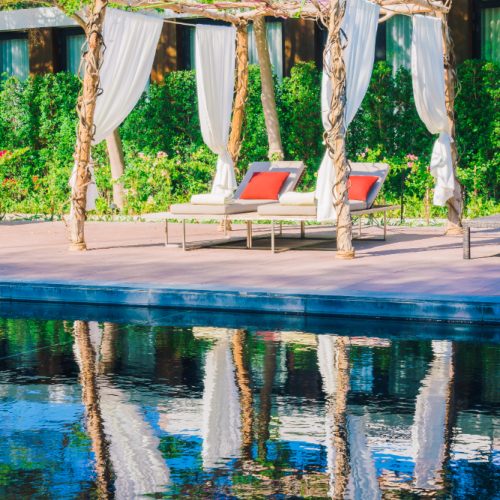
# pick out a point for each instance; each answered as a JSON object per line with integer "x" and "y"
{"x": 335, "y": 136}
{"x": 85, "y": 134}
{"x": 455, "y": 204}
{"x": 241, "y": 92}
{"x": 267, "y": 96}
{"x": 90, "y": 396}
{"x": 117, "y": 162}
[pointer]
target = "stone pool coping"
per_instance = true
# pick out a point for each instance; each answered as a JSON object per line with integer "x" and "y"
{"x": 340, "y": 303}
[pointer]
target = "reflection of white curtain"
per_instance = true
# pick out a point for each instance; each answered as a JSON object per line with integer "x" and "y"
{"x": 138, "y": 464}
{"x": 360, "y": 26}
{"x": 490, "y": 34}
{"x": 74, "y": 44}
{"x": 363, "y": 482}
{"x": 215, "y": 73}
{"x": 274, "y": 32}
{"x": 221, "y": 406}
{"x": 427, "y": 69}
{"x": 130, "y": 40}
{"x": 14, "y": 57}
{"x": 428, "y": 430}
{"x": 398, "y": 42}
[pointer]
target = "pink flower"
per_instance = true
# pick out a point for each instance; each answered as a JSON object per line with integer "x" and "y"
{"x": 3, "y": 152}
{"x": 161, "y": 154}
{"x": 411, "y": 164}
{"x": 412, "y": 157}
{"x": 362, "y": 155}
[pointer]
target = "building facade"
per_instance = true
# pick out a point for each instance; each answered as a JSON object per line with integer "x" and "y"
{"x": 34, "y": 41}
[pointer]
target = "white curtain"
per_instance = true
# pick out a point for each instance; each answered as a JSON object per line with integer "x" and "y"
{"x": 360, "y": 26}
{"x": 428, "y": 431}
{"x": 14, "y": 57}
{"x": 221, "y": 405}
{"x": 215, "y": 76}
{"x": 398, "y": 42}
{"x": 490, "y": 34}
{"x": 274, "y": 32}
{"x": 130, "y": 40}
{"x": 427, "y": 67}
{"x": 74, "y": 44}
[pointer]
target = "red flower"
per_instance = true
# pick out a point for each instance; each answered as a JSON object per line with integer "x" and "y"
{"x": 3, "y": 152}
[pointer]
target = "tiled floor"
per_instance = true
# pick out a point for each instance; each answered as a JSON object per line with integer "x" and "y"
{"x": 411, "y": 261}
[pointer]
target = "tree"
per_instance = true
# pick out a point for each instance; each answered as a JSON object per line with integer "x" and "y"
{"x": 267, "y": 96}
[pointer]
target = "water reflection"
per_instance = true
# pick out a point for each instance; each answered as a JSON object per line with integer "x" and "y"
{"x": 125, "y": 411}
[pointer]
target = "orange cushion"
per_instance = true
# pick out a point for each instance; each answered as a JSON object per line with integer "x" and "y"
{"x": 264, "y": 186}
{"x": 360, "y": 185}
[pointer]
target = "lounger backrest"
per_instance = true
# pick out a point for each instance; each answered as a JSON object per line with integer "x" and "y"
{"x": 295, "y": 169}
{"x": 379, "y": 169}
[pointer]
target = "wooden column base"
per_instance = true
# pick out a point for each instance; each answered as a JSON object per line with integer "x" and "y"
{"x": 343, "y": 255}
{"x": 77, "y": 247}
{"x": 454, "y": 231}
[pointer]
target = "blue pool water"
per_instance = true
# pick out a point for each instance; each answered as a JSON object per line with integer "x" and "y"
{"x": 135, "y": 403}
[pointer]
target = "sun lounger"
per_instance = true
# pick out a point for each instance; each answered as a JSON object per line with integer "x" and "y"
{"x": 224, "y": 211}
{"x": 279, "y": 212}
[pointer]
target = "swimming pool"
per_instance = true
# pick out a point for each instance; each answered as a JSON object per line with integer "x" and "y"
{"x": 101, "y": 402}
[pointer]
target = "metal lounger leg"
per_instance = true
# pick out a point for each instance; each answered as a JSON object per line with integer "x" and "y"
{"x": 249, "y": 234}
{"x": 166, "y": 232}
{"x": 281, "y": 228}
{"x": 385, "y": 225}
{"x": 272, "y": 237}
{"x": 184, "y": 234}
{"x": 225, "y": 226}
{"x": 360, "y": 226}
{"x": 302, "y": 229}
{"x": 467, "y": 243}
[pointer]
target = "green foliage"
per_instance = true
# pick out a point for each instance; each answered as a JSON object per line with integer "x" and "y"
{"x": 167, "y": 161}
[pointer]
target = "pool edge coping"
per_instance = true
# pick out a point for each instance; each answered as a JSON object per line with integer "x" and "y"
{"x": 346, "y": 303}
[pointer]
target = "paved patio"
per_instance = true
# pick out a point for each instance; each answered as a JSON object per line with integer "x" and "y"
{"x": 414, "y": 261}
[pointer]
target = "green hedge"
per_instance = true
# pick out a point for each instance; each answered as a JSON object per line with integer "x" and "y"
{"x": 167, "y": 161}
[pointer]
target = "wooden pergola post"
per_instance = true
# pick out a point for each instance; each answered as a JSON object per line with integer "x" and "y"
{"x": 335, "y": 137}
{"x": 454, "y": 204}
{"x": 241, "y": 91}
{"x": 85, "y": 108}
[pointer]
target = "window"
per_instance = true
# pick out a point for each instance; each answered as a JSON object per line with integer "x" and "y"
{"x": 398, "y": 42}
{"x": 274, "y": 31}
{"x": 490, "y": 33}
{"x": 14, "y": 55}
{"x": 74, "y": 46}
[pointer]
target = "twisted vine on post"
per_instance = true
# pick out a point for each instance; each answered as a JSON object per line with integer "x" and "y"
{"x": 86, "y": 129}
{"x": 335, "y": 135}
{"x": 455, "y": 203}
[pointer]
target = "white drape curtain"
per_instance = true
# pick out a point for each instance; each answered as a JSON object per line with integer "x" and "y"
{"x": 74, "y": 44}
{"x": 427, "y": 67}
{"x": 274, "y": 32}
{"x": 215, "y": 56}
{"x": 360, "y": 26}
{"x": 14, "y": 57}
{"x": 130, "y": 40}
{"x": 398, "y": 42}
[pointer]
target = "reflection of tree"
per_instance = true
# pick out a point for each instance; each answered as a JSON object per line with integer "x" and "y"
{"x": 246, "y": 396}
{"x": 266, "y": 399}
{"x": 107, "y": 358}
{"x": 334, "y": 367}
{"x": 95, "y": 424}
{"x": 338, "y": 407}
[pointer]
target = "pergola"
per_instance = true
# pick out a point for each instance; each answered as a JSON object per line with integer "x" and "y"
{"x": 329, "y": 13}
